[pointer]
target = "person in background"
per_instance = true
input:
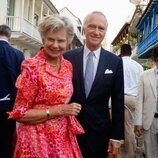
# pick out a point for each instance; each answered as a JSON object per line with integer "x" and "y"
{"x": 132, "y": 72}
{"x": 10, "y": 62}
{"x": 47, "y": 123}
{"x": 146, "y": 112}
{"x": 97, "y": 76}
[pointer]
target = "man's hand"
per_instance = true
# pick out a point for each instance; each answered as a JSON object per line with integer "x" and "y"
{"x": 113, "y": 147}
{"x": 138, "y": 130}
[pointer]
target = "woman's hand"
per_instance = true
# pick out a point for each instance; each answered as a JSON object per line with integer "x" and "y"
{"x": 70, "y": 109}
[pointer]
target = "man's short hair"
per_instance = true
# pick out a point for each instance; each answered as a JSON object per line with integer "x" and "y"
{"x": 154, "y": 54}
{"x": 126, "y": 48}
{"x": 5, "y": 31}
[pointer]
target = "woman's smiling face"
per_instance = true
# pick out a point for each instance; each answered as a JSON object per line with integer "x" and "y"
{"x": 55, "y": 43}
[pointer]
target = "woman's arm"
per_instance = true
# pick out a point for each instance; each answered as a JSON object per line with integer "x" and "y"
{"x": 34, "y": 116}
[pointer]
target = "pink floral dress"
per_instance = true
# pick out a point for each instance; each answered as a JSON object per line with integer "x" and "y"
{"x": 38, "y": 87}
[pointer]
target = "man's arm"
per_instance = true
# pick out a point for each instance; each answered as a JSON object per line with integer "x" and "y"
{"x": 139, "y": 109}
{"x": 117, "y": 101}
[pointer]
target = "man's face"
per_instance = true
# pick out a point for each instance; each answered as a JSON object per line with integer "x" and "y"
{"x": 94, "y": 30}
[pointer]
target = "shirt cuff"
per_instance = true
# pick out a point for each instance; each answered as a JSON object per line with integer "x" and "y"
{"x": 114, "y": 140}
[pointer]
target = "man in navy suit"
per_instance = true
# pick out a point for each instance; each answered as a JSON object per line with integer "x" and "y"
{"x": 102, "y": 135}
{"x": 10, "y": 62}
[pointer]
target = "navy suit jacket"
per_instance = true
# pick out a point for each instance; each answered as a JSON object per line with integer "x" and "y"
{"x": 94, "y": 116}
{"x": 10, "y": 63}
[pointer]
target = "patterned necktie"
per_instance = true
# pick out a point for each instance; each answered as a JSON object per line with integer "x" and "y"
{"x": 89, "y": 72}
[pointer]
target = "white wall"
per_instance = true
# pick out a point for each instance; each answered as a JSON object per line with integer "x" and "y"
{"x": 75, "y": 21}
{"x": 3, "y": 11}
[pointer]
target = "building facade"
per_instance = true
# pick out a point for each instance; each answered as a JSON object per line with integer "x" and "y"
{"x": 22, "y": 17}
{"x": 78, "y": 39}
{"x": 129, "y": 33}
{"x": 148, "y": 30}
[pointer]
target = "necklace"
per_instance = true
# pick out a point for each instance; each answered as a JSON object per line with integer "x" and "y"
{"x": 56, "y": 65}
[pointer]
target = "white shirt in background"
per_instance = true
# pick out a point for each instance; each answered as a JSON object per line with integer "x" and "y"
{"x": 132, "y": 72}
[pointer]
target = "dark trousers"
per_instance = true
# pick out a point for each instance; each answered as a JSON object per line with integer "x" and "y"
{"x": 7, "y": 131}
{"x": 92, "y": 149}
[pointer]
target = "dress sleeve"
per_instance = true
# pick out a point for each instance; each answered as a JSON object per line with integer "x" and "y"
{"x": 27, "y": 90}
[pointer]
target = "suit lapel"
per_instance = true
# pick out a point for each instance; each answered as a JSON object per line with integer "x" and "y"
{"x": 153, "y": 83}
{"x": 79, "y": 68}
{"x": 102, "y": 64}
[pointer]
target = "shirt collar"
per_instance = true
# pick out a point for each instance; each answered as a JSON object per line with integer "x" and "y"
{"x": 4, "y": 40}
{"x": 126, "y": 57}
{"x": 96, "y": 52}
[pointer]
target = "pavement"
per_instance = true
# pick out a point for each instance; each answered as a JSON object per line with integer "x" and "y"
{"x": 138, "y": 154}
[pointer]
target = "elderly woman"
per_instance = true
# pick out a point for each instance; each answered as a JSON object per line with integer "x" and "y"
{"x": 47, "y": 124}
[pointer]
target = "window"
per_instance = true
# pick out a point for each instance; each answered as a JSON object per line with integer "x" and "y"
{"x": 79, "y": 28}
{"x": 150, "y": 25}
{"x": 36, "y": 18}
{"x": 10, "y": 7}
{"x": 156, "y": 18}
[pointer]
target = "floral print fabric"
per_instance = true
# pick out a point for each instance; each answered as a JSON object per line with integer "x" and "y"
{"x": 39, "y": 87}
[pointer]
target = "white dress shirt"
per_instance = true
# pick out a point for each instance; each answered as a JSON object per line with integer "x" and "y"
{"x": 132, "y": 71}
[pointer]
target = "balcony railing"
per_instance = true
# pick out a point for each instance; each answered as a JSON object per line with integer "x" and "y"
{"x": 18, "y": 24}
{"x": 149, "y": 41}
